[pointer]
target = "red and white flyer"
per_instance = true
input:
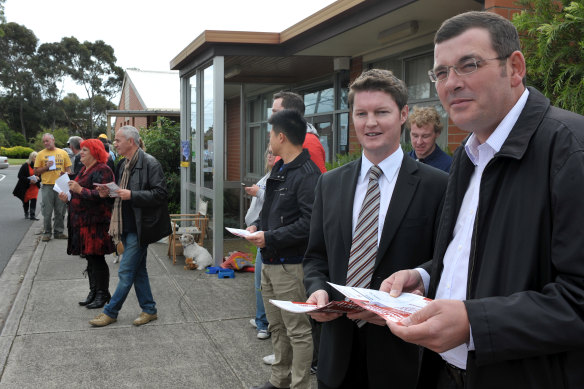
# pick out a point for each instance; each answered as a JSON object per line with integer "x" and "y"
{"x": 390, "y": 308}
{"x": 332, "y": 307}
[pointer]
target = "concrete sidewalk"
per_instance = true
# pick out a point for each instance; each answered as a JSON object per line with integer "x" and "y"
{"x": 202, "y": 338}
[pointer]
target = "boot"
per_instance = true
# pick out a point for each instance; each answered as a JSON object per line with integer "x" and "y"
{"x": 26, "y": 214}
{"x": 32, "y": 213}
{"x": 102, "y": 296}
{"x": 92, "y": 287}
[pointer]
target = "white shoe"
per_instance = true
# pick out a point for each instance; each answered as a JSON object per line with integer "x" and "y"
{"x": 269, "y": 359}
{"x": 264, "y": 334}
{"x": 253, "y": 323}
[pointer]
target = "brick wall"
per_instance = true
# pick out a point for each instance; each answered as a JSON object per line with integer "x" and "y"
{"x": 505, "y": 8}
{"x": 232, "y": 140}
{"x": 134, "y": 104}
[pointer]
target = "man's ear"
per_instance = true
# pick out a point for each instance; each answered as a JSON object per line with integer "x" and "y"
{"x": 518, "y": 68}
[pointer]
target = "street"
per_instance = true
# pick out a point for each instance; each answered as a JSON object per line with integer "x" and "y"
{"x": 13, "y": 226}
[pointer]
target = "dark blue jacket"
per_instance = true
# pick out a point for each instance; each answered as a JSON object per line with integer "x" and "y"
{"x": 438, "y": 159}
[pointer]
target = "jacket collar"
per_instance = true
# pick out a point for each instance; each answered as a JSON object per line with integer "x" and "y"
{"x": 276, "y": 174}
{"x": 518, "y": 140}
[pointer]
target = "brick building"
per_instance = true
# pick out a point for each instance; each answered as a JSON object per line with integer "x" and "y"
{"x": 146, "y": 96}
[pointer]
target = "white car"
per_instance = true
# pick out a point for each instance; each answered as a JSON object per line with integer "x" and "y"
{"x": 3, "y": 162}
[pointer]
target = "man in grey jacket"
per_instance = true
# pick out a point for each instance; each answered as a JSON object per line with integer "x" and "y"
{"x": 140, "y": 217}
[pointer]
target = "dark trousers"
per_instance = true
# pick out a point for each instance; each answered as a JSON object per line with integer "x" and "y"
{"x": 356, "y": 375}
{"x": 32, "y": 204}
{"x": 450, "y": 377}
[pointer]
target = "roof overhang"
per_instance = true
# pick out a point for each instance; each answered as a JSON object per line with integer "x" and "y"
{"x": 345, "y": 28}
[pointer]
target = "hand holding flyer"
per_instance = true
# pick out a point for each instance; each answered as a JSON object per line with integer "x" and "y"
{"x": 239, "y": 232}
{"x": 332, "y": 307}
{"x": 381, "y": 303}
{"x": 113, "y": 188}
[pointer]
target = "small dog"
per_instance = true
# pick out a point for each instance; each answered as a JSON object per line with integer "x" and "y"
{"x": 199, "y": 256}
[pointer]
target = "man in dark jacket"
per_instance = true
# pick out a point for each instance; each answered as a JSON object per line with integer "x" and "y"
{"x": 281, "y": 233}
{"x": 508, "y": 268}
{"x": 140, "y": 217}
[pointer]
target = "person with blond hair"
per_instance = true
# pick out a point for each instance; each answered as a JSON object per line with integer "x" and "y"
{"x": 425, "y": 128}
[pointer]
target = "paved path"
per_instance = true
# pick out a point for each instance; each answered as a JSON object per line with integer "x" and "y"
{"x": 202, "y": 338}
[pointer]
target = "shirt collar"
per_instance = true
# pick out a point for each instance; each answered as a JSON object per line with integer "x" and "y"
{"x": 498, "y": 137}
{"x": 389, "y": 165}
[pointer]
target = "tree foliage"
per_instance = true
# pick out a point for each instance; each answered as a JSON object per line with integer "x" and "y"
{"x": 552, "y": 37}
{"x": 93, "y": 66}
{"x": 18, "y": 48}
{"x": 162, "y": 140}
{"x": 32, "y": 83}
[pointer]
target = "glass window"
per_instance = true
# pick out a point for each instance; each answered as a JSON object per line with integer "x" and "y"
{"x": 343, "y": 124}
{"x": 193, "y": 117}
{"x": 208, "y": 111}
{"x": 324, "y": 127}
{"x": 419, "y": 85}
{"x": 344, "y": 79}
{"x": 319, "y": 101}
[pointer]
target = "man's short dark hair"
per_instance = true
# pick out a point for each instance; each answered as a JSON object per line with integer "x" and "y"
{"x": 380, "y": 80}
{"x": 504, "y": 36}
{"x": 291, "y": 100}
{"x": 105, "y": 144}
{"x": 75, "y": 142}
{"x": 291, "y": 123}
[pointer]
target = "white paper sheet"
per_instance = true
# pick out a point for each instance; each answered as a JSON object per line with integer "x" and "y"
{"x": 240, "y": 232}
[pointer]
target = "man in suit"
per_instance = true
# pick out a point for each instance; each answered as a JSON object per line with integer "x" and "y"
{"x": 354, "y": 349}
{"x": 508, "y": 269}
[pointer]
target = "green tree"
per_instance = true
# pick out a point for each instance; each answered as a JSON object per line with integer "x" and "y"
{"x": 162, "y": 140}
{"x": 552, "y": 38}
{"x": 18, "y": 48}
{"x": 93, "y": 66}
{"x": 50, "y": 72}
{"x": 2, "y": 17}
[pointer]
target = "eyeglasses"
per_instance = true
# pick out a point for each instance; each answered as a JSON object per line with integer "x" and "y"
{"x": 270, "y": 153}
{"x": 462, "y": 68}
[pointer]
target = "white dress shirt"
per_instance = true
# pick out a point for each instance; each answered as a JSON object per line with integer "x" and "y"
{"x": 390, "y": 167}
{"x": 454, "y": 277}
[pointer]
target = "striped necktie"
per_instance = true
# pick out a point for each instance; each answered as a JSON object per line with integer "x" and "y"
{"x": 364, "y": 244}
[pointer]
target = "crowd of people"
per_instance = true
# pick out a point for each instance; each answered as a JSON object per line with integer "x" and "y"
{"x": 491, "y": 234}
{"x": 101, "y": 221}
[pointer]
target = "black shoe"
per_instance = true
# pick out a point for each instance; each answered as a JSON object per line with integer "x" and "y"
{"x": 267, "y": 385}
{"x": 102, "y": 297}
{"x": 26, "y": 215}
{"x": 90, "y": 298}
{"x": 33, "y": 217}
{"x": 313, "y": 369}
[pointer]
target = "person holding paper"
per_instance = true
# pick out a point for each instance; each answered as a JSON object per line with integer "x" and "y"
{"x": 282, "y": 234}
{"x": 508, "y": 270}
{"x": 27, "y": 187}
{"x": 89, "y": 218}
{"x": 50, "y": 164}
{"x": 139, "y": 217}
{"x": 370, "y": 218}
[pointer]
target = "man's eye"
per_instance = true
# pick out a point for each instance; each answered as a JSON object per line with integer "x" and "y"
{"x": 468, "y": 67}
{"x": 440, "y": 73}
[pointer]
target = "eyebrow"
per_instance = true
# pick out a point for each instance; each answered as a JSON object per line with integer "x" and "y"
{"x": 463, "y": 58}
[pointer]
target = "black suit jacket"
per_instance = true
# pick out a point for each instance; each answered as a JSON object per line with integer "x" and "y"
{"x": 407, "y": 240}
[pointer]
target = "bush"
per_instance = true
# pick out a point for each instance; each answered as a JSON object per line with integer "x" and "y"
{"x": 162, "y": 141}
{"x": 343, "y": 159}
{"x": 9, "y": 138}
{"x": 16, "y": 152}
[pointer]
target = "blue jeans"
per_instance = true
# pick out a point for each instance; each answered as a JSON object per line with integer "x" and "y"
{"x": 132, "y": 271}
{"x": 261, "y": 320}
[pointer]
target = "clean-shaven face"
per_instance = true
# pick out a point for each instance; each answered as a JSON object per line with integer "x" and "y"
{"x": 378, "y": 121}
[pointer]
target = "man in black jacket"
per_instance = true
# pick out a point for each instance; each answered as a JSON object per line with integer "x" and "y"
{"x": 508, "y": 268}
{"x": 140, "y": 217}
{"x": 281, "y": 233}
